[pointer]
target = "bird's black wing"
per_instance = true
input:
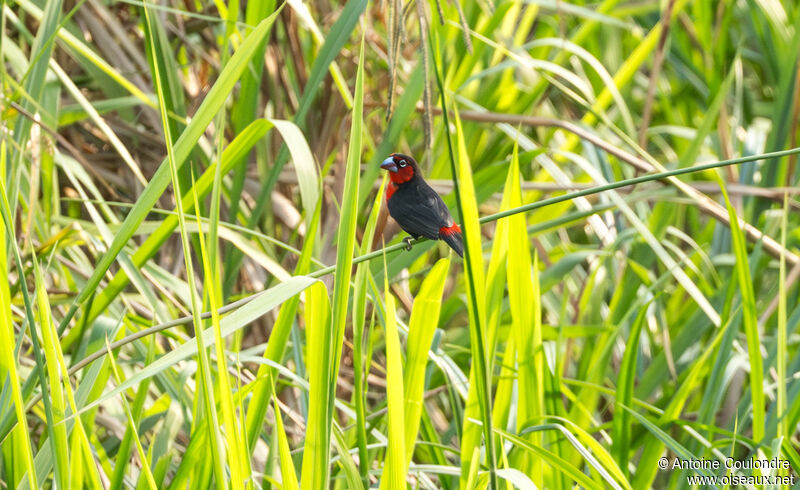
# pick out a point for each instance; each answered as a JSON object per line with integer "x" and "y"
{"x": 419, "y": 211}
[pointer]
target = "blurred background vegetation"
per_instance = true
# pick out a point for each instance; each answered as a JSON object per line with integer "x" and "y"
{"x": 577, "y": 343}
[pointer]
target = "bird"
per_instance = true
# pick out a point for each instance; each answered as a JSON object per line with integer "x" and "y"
{"x": 416, "y": 207}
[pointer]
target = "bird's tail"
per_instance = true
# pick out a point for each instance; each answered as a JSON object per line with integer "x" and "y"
{"x": 452, "y": 236}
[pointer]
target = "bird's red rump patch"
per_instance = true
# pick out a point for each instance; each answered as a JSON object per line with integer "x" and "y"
{"x": 403, "y": 175}
{"x": 449, "y": 230}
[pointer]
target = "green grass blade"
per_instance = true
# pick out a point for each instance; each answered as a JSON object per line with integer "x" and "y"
{"x": 261, "y": 304}
{"x": 359, "y": 321}
{"x": 41, "y": 52}
{"x": 208, "y": 416}
{"x": 647, "y": 466}
{"x": 780, "y": 364}
{"x": 288, "y": 475}
{"x": 8, "y": 363}
{"x": 316, "y": 449}
{"x": 553, "y": 459}
{"x": 750, "y": 318}
{"x": 394, "y": 468}
{"x": 50, "y": 344}
{"x": 238, "y": 148}
{"x": 276, "y": 345}
{"x": 421, "y": 328}
{"x": 625, "y": 383}
{"x": 237, "y": 462}
{"x": 40, "y": 368}
{"x": 524, "y": 304}
{"x": 148, "y": 474}
{"x": 182, "y": 148}
{"x": 474, "y": 275}
{"x": 315, "y": 474}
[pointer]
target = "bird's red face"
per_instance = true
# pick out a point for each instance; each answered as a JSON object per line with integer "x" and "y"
{"x": 402, "y": 168}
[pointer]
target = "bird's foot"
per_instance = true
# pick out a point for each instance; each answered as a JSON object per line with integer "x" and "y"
{"x": 407, "y": 241}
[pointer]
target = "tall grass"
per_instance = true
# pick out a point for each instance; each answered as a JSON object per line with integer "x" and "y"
{"x": 204, "y": 288}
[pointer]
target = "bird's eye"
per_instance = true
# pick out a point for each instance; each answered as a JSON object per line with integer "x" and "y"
{"x": 402, "y": 163}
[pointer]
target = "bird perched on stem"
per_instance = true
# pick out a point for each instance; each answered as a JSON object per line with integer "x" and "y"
{"x": 416, "y": 207}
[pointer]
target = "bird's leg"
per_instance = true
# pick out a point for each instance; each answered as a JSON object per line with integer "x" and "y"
{"x": 408, "y": 243}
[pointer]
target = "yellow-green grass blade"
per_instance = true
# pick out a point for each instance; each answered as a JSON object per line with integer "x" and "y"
{"x": 82, "y": 455}
{"x": 503, "y": 398}
{"x": 627, "y": 376}
{"x": 588, "y": 456}
{"x": 148, "y": 474}
{"x": 85, "y": 51}
{"x": 495, "y": 298}
{"x": 8, "y": 362}
{"x": 340, "y": 32}
{"x": 648, "y": 462}
{"x": 50, "y": 344}
{"x": 125, "y": 446}
{"x": 666, "y": 440}
{"x": 93, "y": 384}
{"x": 626, "y": 72}
{"x": 40, "y": 54}
{"x": 394, "y": 468}
{"x": 604, "y": 458}
{"x": 476, "y": 286}
{"x": 237, "y": 461}
{"x": 421, "y": 328}
{"x": 276, "y": 345}
{"x": 205, "y": 379}
{"x": 553, "y": 459}
{"x": 76, "y": 463}
{"x": 749, "y": 318}
{"x": 781, "y": 352}
{"x": 288, "y": 475}
{"x": 359, "y": 320}
{"x": 260, "y": 304}
{"x": 184, "y": 145}
{"x": 346, "y": 462}
{"x": 316, "y": 449}
{"x": 315, "y": 471}
{"x": 524, "y": 303}
{"x": 193, "y": 463}
{"x": 39, "y": 368}
{"x": 238, "y": 148}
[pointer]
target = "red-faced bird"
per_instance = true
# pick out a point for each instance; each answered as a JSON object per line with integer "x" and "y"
{"x": 416, "y": 207}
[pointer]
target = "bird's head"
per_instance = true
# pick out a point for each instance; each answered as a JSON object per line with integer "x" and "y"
{"x": 402, "y": 168}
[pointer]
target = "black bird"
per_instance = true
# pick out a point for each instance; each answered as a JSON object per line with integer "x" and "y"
{"x": 416, "y": 207}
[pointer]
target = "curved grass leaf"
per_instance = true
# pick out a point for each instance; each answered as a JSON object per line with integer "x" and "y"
{"x": 211, "y": 104}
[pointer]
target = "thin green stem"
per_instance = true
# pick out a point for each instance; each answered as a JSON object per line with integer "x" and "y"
{"x": 400, "y": 246}
{"x": 482, "y": 367}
